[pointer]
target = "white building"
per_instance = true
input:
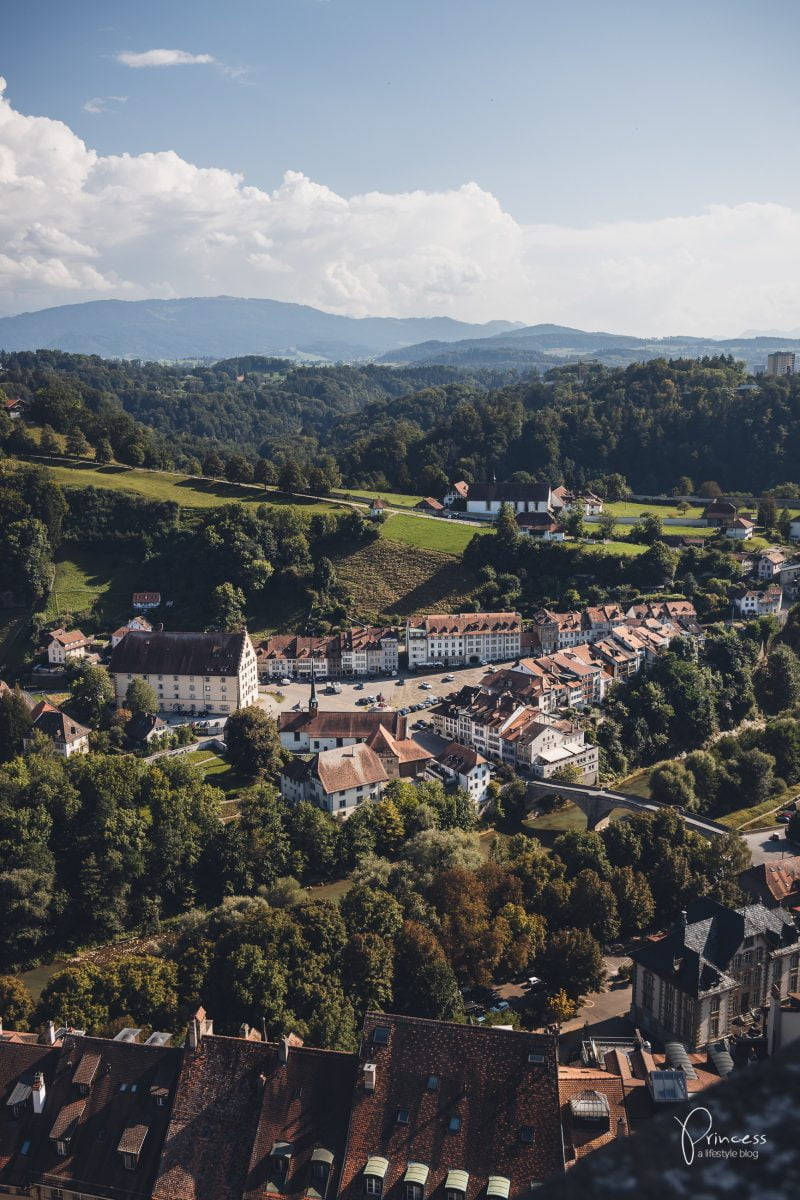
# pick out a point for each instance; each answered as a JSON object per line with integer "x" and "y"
{"x": 486, "y": 499}
{"x": 759, "y": 604}
{"x": 462, "y": 638}
{"x": 140, "y": 624}
{"x": 771, "y": 563}
{"x": 315, "y": 730}
{"x": 143, "y": 601}
{"x": 66, "y": 646}
{"x": 794, "y": 529}
{"x": 740, "y": 529}
{"x": 189, "y": 672}
{"x": 337, "y": 781}
{"x": 67, "y": 736}
{"x": 360, "y": 651}
{"x": 464, "y": 767}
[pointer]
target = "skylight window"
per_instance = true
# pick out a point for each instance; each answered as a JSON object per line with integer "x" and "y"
{"x": 402, "y": 1116}
{"x": 433, "y": 1083}
{"x": 526, "y": 1135}
{"x": 380, "y": 1035}
{"x": 454, "y": 1123}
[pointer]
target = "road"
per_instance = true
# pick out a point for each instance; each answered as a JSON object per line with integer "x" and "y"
{"x": 400, "y": 692}
{"x": 764, "y": 850}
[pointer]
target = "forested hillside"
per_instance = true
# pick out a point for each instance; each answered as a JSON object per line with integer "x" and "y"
{"x": 660, "y": 424}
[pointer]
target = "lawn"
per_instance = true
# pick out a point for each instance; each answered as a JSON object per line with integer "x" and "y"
{"x": 395, "y": 499}
{"x": 448, "y": 537}
{"x": 634, "y": 508}
{"x": 87, "y": 577}
{"x": 219, "y": 772}
{"x": 614, "y": 549}
{"x": 188, "y": 491}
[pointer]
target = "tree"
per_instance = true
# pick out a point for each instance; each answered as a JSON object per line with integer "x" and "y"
{"x": 560, "y": 1007}
{"x": 574, "y": 523}
{"x": 227, "y": 608}
{"x": 140, "y": 697}
{"x": 582, "y": 850}
{"x": 648, "y": 529}
{"x": 142, "y": 986}
{"x": 506, "y": 529}
{"x": 370, "y": 910}
{"x": 77, "y": 444}
{"x": 16, "y": 1003}
{"x": 92, "y": 691}
{"x": 103, "y": 452}
{"x": 593, "y": 906}
{"x": 767, "y": 513}
{"x": 657, "y": 565}
{"x": 671, "y": 783}
{"x": 606, "y": 525}
{"x": 368, "y": 970}
{"x": 48, "y": 442}
{"x": 634, "y": 900}
{"x": 15, "y": 721}
{"x": 777, "y": 680}
{"x": 238, "y": 469}
{"x": 253, "y": 742}
{"x": 709, "y": 490}
{"x": 793, "y": 828}
{"x": 683, "y": 487}
{"x": 785, "y": 524}
{"x": 424, "y": 982}
{"x": 571, "y": 962}
{"x": 213, "y": 465}
{"x": 264, "y": 473}
{"x": 291, "y": 477}
{"x": 75, "y": 996}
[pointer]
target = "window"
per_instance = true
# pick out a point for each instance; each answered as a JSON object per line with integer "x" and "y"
{"x": 414, "y": 1191}
{"x": 373, "y": 1186}
{"x": 454, "y": 1124}
{"x": 130, "y": 1161}
{"x": 402, "y": 1116}
{"x": 380, "y": 1035}
{"x": 433, "y": 1083}
{"x": 61, "y": 1149}
{"x": 794, "y": 970}
{"x": 526, "y": 1135}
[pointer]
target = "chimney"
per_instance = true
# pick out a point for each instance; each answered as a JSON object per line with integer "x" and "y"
{"x": 370, "y": 1076}
{"x": 199, "y": 1026}
{"x": 50, "y": 1034}
{"x": 283, "y": 1049}
{"x": 682, "y": 919}
{"x": 38, "y": 1092}
{"x": 244, "y": 1029}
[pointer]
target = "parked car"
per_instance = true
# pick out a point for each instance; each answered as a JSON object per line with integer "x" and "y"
{"x": 360, "y": 700}
{"x": 404, "y": 712}
{"x": 285, "y": 681}
{"x": 501, "y": 1006}
{"x": 535, "y": 982}
{"x": 426, "y": 687}
{"x": 785, "y": 817}
{"x": 774, "y": 837}
{"x": 448, "y": 678}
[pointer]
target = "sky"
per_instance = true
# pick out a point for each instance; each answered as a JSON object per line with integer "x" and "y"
{"x": 628, "y": 165}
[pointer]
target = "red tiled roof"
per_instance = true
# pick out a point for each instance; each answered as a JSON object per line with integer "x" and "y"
{"x": 349, "y": 767}
{"x": 482, "y": 1076}
{"x": 580, "y": 1137}
{"x": 460, "y": 623}
{"x": 348, "y": 724}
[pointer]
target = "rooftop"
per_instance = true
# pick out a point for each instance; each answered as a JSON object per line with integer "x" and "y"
{"x": 149, "y": 653}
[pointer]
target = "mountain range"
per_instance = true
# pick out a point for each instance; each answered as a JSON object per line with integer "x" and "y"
{"x": 226, "y": 326}
{"x": 222, "y": 327}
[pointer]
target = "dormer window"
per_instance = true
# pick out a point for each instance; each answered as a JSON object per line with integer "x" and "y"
{"x": 454, "y": 1124}
{"x": 320, "y": 1169}
{"x": 433, "y": 1083}
{"x": 414, "y": 1180}
{"x": 130, "y": 1145}
{"x": 374, "y": 1174}
{"x": 402, "y": 1116}
{"x": 280, "y": 1156}
{"x": 456, "y": 1184}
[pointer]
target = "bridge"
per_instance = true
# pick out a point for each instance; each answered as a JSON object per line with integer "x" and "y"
{"x": 598, "y": 804}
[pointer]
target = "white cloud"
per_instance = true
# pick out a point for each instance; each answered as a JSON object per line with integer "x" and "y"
{"x": 162, "y": 58}
{"x": 102, "y": 104}
{"x": 76, "y": 225}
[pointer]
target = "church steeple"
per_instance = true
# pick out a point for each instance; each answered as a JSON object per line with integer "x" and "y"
{"x": 313, "y": 703}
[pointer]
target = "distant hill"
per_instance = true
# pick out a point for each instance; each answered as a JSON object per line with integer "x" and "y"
{"x": 547, "y": 346}
{"x": 223, "y": 327}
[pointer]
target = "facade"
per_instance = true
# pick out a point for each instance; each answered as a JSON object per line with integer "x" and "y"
{"x": 14, "y": 409}
{"x": 66, "y": 647}
{"x": 189, "y": 672}
{"x": 377, "y": 508}
{"x": 771, "y": 563}
{"x": 720, "y": 513}
{"x": 337, "y": 781}
{"x": 460, "y": 639}
{"x": 143, "y": 601}
{"x": 794, "y": 529}
{"x": 68, "y": 736}
{"x": 486, "y": 499}
{"x": 139, "y": 624}
{"x": 541, "y": 525}
{"x": 715, "y": 964}
{"x": 360, "y": 651}
{"x": 740, "y": 529}
{"x": 465, "y": 768}
{"x": 781, "y": 363}
{"x": 457, "y": 493}
{"x": 751, "y": 603}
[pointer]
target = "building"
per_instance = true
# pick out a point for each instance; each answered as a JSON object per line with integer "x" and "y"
{"x": 740, "y": 529}
{"x": 68, "y": 736}
{"x": 189, "y": 672}
{"x": 464, "y": 768}
{"x": 781, "y": 362}
{"x": 431, "y": 506}
{"x": 139, "y": 624}
{"x": 715, "y": 965}
{"x": 457, "y": 494}
{"x": 771, "y": 562}
{"x": 774, "y": 884}
{"x": 750, "y": 603}
{"x": 794, "y": 529}
{"x": 144, "y": 729}
{"x": 14, "y": 409}
{"x": 314, "y": 730}
{"x": 720, "y": 513}
{"x": 337, "y": 781}
{"x": 456, "y": 1111}
{"x": 461, "y": 639}
{"x": 783, "y": 1022}
{"x": 486, "y": 499}
{"x": 360, "y": 651}
{"x": 541, "y": 525}
{"x": 142, "y": 601}
{"x": 65, "y": 647}
{"x": 587, "y": 503}
{"x": 377, "y": 508}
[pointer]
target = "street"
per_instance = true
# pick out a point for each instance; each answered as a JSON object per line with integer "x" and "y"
{"x": 763, "y": 849}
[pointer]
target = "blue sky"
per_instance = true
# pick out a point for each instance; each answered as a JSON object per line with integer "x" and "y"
{"x": 575, "y": 115}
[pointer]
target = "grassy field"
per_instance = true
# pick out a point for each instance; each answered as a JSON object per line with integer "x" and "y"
{"x": 186, "y": 490}
{"x": 395, "y": 499}
{"x": 390, "y": 577}
{"x": 614, "y": 549}
{"x": 449, "y": 537}
{"x": 218, "y": 771}
{"x": 88, "y": 577}
{"x": 634, "y": 508}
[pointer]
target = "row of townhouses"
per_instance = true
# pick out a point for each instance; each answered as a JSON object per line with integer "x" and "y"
{"x": 561, "y": 630}
{"x": 363, "y": 650}
{"x": 461, "y": 639}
